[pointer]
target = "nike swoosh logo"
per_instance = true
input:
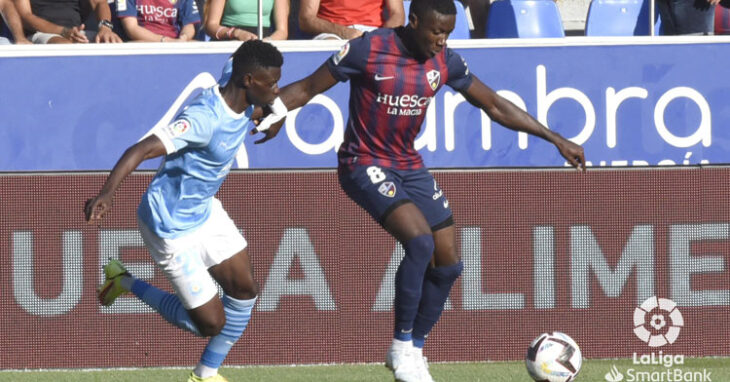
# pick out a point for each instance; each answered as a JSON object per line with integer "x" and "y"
{"x": 446, "y": 204}
{"x": 378, "y": 77}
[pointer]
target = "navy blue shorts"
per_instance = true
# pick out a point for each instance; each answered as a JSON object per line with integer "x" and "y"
{"x": 379, "y": 190}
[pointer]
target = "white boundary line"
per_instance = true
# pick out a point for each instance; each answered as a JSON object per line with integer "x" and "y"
{"x": 302, "y": 365}
{"x": 97, "y": 369}
{"x": 218, "y": 47}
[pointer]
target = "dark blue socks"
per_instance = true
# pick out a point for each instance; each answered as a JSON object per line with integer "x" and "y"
{"x": 409, "y": 283}
{"x": 436, "y": 287}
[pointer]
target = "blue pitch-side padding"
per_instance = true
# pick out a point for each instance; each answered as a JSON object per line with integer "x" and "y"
{"x": 524, "y": 19}
{"x": 620, "y": 18}
{"x": 461, "y": 28}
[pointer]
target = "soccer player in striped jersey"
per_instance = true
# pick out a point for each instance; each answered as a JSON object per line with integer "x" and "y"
{"x": 187, "y": 232}
{"x": 394, "y": 74}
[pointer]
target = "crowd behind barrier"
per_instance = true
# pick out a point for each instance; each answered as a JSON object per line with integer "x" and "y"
{"x": 79, "y": 21}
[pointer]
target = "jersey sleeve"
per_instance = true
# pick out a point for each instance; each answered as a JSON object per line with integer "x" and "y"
{"x": 189, "y": 129}
{"x": 189, "y": 13}
{"x": 459, "y": 75}
{"x": 126, "y": 8}
{"x": 350, "y": 61}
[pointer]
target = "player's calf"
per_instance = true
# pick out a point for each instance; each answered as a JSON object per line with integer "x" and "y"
{"x": 409, "y": 282}
{"x": 237, "y": 315}
{"x": 436, "y": 287}
{"x": 209, "y": 317}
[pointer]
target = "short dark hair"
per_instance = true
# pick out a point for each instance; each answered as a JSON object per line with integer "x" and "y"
{"x": 421, "y": 7}
{"x": 254, "y": 54}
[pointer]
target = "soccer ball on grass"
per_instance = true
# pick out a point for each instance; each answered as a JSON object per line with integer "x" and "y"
{"x": 553, "y": 357}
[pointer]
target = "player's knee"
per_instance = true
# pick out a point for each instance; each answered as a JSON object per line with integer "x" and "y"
{"x": 244, "y": 291}
{"x": 446, "y": 274}
{"x": 421, "y": 247}
{"x": 211, "y": 326}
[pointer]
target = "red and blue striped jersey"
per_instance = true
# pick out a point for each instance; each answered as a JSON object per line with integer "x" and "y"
{"x": 390, "y": 91}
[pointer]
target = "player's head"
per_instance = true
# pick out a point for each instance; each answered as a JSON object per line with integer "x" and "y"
{"x": 431, "y": 21}
{"x": 257, "y": 69}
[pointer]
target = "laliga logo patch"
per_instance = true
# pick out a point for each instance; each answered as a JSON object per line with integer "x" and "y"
{"x": 178, "y": 128}
{"x": 341, "y": 54}
{"x": 433, "y": 77}
{"x": 663, "y": 316}
{"x": 387, "y": 189}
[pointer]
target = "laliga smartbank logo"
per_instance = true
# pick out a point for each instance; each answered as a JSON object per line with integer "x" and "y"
{"x": 659, "y": 313}
{"x": 658, "y": 322}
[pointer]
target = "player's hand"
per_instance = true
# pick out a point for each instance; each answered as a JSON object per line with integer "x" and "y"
{"x": 270, "y": 131}
{"x": 274, "y": 115}
{"x": 95, "y": 208}
{"x": 572, "y": 152}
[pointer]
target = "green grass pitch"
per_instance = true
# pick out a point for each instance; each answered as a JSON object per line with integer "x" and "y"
{"x": 592, "y": 371}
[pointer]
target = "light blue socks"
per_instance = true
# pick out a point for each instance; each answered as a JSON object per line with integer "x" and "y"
{"x": 166, "y": 304}
{"x": 238, "y": 313}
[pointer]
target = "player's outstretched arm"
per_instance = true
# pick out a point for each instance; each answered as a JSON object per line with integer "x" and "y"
{"x": 507, "y": 114}
{"x": 150, "y": 147}
{"x": 293, "y": 96}
{"x": 297, "y": 94}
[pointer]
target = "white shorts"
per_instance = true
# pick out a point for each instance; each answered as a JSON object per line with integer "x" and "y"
{"x": 185, "y": 260}
{"x": 43, "y": 38}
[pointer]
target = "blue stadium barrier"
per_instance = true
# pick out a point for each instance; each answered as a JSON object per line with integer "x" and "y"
{"x": 620, "y": 18}
{"x": 461, "y": 28}
{"x": 524, "y": 19}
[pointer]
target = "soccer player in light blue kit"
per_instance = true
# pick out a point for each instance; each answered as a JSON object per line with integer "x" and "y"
{"x": 186, "y": 230}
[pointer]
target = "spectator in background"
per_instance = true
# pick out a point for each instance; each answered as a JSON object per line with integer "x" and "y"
{"x": 158, "y": 21}
{"x": 722, "y": 17}
{"x": 12, "y": 20}
{"x": 478, "y": 11}
{"x": 60, "y": 21}
{"x": 687, "y": 17}
{"x": 238, "y": 19}
{"x": 347, "y": 19}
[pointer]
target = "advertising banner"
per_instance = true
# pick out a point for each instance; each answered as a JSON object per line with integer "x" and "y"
{"x": 594, "y": 255}
{"x": 627, "y": 104}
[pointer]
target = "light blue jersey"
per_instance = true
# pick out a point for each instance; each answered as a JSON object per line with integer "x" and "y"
{"x": 201, "y": 146}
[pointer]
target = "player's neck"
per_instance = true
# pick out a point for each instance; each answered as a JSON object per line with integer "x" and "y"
{"x": 409, "y": 42}
{"x": 235, "y": 98}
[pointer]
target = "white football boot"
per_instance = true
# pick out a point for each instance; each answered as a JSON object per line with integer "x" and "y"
{"x": 421, "y": 365}
{"x": 401, "y": 360}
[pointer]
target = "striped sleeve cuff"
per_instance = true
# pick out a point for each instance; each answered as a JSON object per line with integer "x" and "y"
{"x": 166, "y": 140}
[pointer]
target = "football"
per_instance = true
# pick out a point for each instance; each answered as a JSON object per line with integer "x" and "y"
{"x": 553, "y": 357}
